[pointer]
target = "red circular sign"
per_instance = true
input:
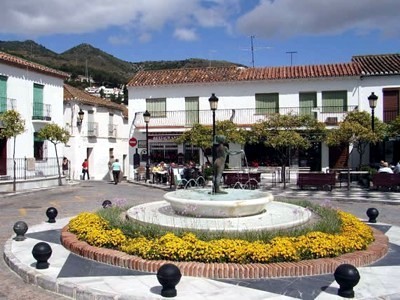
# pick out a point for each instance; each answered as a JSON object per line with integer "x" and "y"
{"x": 132, "y": 142}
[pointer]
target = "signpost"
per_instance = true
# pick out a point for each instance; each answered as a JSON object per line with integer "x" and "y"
{"x": 132, "y": 142}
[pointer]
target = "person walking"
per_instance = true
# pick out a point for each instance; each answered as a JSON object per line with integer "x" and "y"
{"x": 65, "y": 164}
{"x": 110, "y": 170}
{"x": 85, "y": 169}
{"x": 116, "y": 169}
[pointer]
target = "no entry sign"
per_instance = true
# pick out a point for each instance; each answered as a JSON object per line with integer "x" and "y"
{"x": 132, "y": 142}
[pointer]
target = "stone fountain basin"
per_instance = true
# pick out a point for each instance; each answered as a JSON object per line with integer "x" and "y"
{"x": 201, "y": 203}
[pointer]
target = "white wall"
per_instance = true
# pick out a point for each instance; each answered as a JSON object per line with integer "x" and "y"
{"x": 239, "y": 95}
{"x": 100, "y": 145}
{"x": 20, "y": 87}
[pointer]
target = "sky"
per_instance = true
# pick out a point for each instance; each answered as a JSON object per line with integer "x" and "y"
{"x": 249, "y": 32}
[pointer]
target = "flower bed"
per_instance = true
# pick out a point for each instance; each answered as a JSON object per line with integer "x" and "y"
{"x": 353, "y": 236}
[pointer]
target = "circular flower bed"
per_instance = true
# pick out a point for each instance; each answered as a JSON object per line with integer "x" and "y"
{"x": 354, "y": 235}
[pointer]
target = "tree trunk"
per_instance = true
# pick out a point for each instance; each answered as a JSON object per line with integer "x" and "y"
{"x": 284, "y": 175}
{"x": 58, "y": 166}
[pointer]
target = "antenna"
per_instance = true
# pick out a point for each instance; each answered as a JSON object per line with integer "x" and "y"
{"x": 253, "y": 48}
{"x": 291, "y": 56}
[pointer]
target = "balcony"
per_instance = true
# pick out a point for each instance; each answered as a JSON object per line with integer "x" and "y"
{"x": 41, "y": 112}
{"x": 331, "y": 116}
{"x": 7, "y": 104}
{"x": 93, "y": 129}
{"x": 112, "y": 131}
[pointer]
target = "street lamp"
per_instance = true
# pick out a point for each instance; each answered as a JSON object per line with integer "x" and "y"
{"x": 146, "y": 117}
{"x": 213, "y": 105}
{"x": 80, "y": 117}
{"x": 372, "y": 99}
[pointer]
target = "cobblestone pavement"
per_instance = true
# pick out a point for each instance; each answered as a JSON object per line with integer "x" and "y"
{"x": 89, "y": 195}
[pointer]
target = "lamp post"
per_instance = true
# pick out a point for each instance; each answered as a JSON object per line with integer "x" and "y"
{"x": 372, "y": 99}
{"x": 213, "y": 105}
{"x": 146, "y": 117}
{"x": 80, "y": 117}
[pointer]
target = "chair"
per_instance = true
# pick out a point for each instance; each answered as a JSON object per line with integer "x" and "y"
{"x": 176, "y": 179}
{"x": 140, "y": 173}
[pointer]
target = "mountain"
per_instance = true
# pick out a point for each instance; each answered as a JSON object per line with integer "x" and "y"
{"x": 104, "y": 68}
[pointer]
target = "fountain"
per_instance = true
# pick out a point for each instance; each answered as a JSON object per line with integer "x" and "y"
{"x": 233, "y": 203}
{"x": 220, "y": 210}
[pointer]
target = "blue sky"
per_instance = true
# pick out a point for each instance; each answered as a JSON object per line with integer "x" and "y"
{"x": 319, "y": 31}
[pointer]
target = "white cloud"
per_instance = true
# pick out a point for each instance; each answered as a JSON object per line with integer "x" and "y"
{"x": 185, "y": 34}
{"x": 142, "y": 17}
{"x": 286, "y": 18}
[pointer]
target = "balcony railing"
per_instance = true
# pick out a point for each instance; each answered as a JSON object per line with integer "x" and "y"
{"x": 112, "y": 130}
{"x": 41, "y": 112}
{"x": 330, "y": 115}
{"x": 7, "y": 104}
{"x": 93, "y": 129}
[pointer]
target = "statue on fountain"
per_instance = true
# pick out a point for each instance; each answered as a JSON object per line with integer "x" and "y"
{"x": 221, "y": 152}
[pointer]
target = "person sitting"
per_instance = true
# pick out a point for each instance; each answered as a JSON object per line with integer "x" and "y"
{"x": 385, "y": 168}
{"x": 160, "y": 173}
{"x": 397, "y": 168}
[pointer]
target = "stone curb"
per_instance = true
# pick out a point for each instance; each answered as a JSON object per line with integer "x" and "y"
{"x": 67, "y": 289}
{"x": 304, "y": 268}
{"x": 375, "y": 251}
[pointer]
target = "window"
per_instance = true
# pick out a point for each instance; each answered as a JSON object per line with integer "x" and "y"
{"x": 3, "y": 93}
{"x": 308, "y": 101}
{"x": 38, "y": 147}
{"x": 334, "y": 101}
{"x": 37, "y": 102}
{"x": 112, "y": 129}
{"x": 191, "y": 110}
{"x": 267, "y": 104}
{"x": 157, "y": 107}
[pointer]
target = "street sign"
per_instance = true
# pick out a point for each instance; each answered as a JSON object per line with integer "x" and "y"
{"x": 132, "y": 142}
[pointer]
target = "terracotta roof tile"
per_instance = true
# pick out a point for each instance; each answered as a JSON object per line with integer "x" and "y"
{"x": 22, "y": 63}
{"x": 231, "y": 74}
{"x": 384, "y": 64}
{"x": 73, "y": 94}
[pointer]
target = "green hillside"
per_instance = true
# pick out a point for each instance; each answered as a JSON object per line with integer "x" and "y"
{"x": 105, "y": 69}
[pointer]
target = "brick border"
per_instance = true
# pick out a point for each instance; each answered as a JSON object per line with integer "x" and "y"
{"x": 374, "y": 252}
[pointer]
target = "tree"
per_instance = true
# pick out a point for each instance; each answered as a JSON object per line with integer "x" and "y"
{"x": 287, "y": 132}
{"x": 201, "y": 136}
{"x": 13, "y": 125}
{"x": 393, "y": 130}
{"x": 356, "y": 130}
{"x": 56, "y": 135}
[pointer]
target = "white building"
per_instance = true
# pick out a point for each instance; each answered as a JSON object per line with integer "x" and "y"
{"x": 103, "y": 133}
{"x": 36, "y": 92}
{"x": 178, "y": 98}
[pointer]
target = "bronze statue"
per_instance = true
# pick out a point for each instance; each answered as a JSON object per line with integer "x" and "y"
{"x": 221, "y": 152}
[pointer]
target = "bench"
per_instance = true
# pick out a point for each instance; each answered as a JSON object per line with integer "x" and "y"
{"x": 321, "y": 180}
{"x": 386, "y": 180}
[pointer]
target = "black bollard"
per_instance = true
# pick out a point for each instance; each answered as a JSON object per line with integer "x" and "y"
{"x": 347, "y": 277}
{"x": 20, "y": 228}
{"x": 42, "y": 252}
{"x": 168, "y": 276}
{"x": 51, "y": 213}
{"x": 106, "y": 204}
{"x": 372, "y": 214}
